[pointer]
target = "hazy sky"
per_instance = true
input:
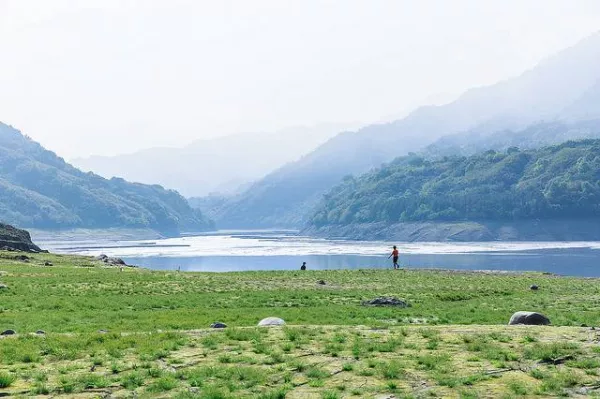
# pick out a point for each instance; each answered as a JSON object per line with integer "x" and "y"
{"x": 102, "y": 77}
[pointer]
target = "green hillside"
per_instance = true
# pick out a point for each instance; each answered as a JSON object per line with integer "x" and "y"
{"x": 39, "y": 189}
{"x": 555, "y": 182}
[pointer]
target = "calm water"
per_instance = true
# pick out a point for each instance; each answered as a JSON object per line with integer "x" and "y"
{"x": 239, "y": 251}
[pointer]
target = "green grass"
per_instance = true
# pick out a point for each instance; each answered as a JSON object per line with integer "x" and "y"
{"x": 6, "y": 379}
{"x": 155, "y": 341}
{"x": 76, "y": 295}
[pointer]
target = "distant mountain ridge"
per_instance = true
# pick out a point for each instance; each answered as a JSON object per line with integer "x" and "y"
{"x": 39, "y": 189}
{"x": 556, "y": 88}
{"x": 220, "y": 165}
{"x": 534, "y": 136}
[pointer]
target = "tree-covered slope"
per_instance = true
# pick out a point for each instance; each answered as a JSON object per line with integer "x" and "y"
{"x": 39, "y": 189}
{"x": 555, "y": 182}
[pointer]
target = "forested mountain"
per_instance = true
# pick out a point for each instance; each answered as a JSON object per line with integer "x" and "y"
{"x": 556, "y": 88}
{"x": 557, "y": 182}
{"x": 220, "y": 165}
{"x": 39, "y": 189}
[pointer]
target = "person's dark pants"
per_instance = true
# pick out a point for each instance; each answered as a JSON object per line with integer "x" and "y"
{"x": 396, "y": 262}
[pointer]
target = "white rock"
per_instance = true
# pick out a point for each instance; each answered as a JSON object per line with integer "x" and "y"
{"x": 271, "y": 321}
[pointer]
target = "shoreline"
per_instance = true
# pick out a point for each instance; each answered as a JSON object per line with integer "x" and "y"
{"x": 524, "y": 273}
{"x": 463, "y": 231}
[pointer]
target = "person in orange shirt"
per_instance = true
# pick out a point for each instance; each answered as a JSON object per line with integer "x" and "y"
{"x": 394, "y": 254}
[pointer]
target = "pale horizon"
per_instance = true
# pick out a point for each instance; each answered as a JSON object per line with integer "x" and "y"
{"x": 111, "y": 77}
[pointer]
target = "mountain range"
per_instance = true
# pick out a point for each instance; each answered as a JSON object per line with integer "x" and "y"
{"x": 39, "y": 189}
{"x": 563, "y": 87}
{"x": 222, "y": 165}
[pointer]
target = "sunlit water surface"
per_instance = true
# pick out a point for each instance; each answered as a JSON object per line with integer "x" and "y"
{"x": 241, "y": 251}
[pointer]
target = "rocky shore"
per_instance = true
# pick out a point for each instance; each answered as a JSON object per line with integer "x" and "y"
{"x": 13, "y": 239}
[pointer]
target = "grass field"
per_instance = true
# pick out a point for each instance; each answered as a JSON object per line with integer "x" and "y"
{"x": 141, "y": 333}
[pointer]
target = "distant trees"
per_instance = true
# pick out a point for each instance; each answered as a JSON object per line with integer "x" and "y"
{"x": 561, "y": 181}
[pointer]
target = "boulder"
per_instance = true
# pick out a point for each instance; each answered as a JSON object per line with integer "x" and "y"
{"x": 534, "y": 287}
{"x": 40, "y": 332}
{"x": 8, "y": 332}
{"x": 271, "y": 321}
{"x": 218, "y": 325}
{"x": 321, "y": 282}
{"x": 111, "y": 260}
{"x": 47, "y": 263}
{"x": 3, "y": 287}
{"x": 387, "y": 301}
{"x": 116, "y": 261}
{"x": 529, "y": 318}
{"x": 13, "y": 239}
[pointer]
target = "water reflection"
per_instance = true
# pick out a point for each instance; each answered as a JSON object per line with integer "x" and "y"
{"x": 568, "y": 261}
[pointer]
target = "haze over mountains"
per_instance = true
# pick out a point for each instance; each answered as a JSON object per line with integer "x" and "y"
{"x": 224, "y": 165}
{"x": 557, "y": 101}
{"x": 533, "y": 136}
{"x": 564, "y": 86}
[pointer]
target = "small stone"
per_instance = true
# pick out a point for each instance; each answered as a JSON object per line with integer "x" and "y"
{"x": 47, "y": 263}
{"x": 529, "y": 318}
{"x": 3, "y": 287}
{"x": 218, "y": 325}
{"x": 40, "y": 332}
{"x": 271, "y": 321}
{"x": 584, "y": 325}
{"x": 321, "y": 282}
{"x": 8, "y": 332}
{"x": 102, "y": 331}
{"x": 534, "y": 287}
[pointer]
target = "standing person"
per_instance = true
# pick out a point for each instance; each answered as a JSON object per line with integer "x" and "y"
{"x": 303, "y": 267}
{"x": 394, "y": 254}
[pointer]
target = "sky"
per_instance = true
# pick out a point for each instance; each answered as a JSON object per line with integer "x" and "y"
{"x": 109, "y": 77}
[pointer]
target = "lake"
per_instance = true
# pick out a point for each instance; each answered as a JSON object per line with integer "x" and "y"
{"x": 268, "y": 250}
